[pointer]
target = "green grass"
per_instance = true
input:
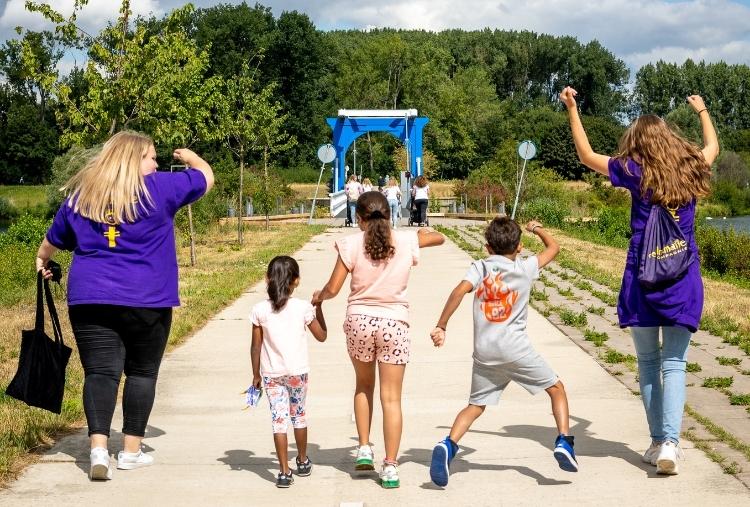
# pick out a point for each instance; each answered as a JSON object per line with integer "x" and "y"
{"x": 693, "y": 367}
{"x": 612, "y": 356}
{"x": 724, "y": 361}
{"x": 24, "y": 197}
{"x": 565, "y": 292}
{"x": 571, "y": 318}
{"x": 740, "y": 399}
{"x": 719, "y": 432}
{"x": 718, "y": 382}
{"x": 220, "y": 277}
{"x": 583, "y": 285}
{"x": 539, "y": 295}
{"x": 596, "y": 310}
{"x": 598, "y": 338}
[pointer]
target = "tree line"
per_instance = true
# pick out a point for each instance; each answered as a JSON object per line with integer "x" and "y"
{"x": 215, "y": 78}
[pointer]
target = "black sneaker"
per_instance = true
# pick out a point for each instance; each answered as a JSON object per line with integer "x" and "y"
{"x": 304, "y": 469}
{"x": 284, "y": 480}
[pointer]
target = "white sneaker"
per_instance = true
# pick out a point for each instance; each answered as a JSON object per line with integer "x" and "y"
{"x": 666, "y": 462}
{"x": 365, "y": 458}
{"x": 651, "y": 453}
{"x": 132, "y": 460}
{"x": 99, "y": 470}
{"x": 389, "y": 476}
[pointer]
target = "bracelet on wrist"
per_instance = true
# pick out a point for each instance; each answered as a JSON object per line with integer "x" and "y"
{"x": 533, "y": 229}
{"x": 440, "y": 327}
{"x": 704, "y": 109}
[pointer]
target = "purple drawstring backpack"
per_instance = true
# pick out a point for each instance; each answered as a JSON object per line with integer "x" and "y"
{"x": 664, "y": 253}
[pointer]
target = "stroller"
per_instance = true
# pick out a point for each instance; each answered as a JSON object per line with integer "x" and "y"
{"x": 414, "y": 214}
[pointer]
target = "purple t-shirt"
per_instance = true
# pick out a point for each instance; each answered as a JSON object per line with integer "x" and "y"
{"x": 129, "y": 264}
{"x": 677, "y": 303}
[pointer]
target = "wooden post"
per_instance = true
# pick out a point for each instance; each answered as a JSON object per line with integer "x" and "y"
{"x": 192, "y": 235}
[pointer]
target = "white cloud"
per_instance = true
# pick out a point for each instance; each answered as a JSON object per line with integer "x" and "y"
{"x": 92, "y": 18}
{"x": 637, "y": 31}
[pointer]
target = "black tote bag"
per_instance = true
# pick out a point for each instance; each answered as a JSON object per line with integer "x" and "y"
{"x": 40, "y": 378}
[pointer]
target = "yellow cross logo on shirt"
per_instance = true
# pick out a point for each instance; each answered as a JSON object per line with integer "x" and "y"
{"x": 111, "y": 234}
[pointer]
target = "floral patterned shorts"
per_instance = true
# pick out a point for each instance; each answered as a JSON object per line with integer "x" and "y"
{"x": 370, "y": 338}
{"x": 286, "y": 397}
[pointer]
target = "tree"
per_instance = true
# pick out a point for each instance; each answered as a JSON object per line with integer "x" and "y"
{"x": 239, "y": 122}
{"x": 271, "y": 139}
{"x": 134, "y": 79}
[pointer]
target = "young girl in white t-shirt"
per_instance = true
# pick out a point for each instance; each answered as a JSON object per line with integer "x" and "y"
{"x": 376, "y": 325}
{"x": 279, "y": 358}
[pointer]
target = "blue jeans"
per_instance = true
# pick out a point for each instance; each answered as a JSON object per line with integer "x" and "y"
{"x": 393, "y": 204}
{"x": 661, "y": 372}
{"x": 353, "y": 211}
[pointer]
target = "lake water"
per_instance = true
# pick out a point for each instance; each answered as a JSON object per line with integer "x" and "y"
{"x": 740, "y": 224}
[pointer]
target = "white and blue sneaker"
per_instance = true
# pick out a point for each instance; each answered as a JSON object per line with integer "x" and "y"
{"x": 442, "y": 455}
{"x": 564, "y": 453}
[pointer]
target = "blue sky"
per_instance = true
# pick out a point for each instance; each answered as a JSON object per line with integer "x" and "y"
{"x": 637, "y": 31}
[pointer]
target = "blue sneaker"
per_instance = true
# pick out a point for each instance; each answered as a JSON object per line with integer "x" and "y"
{"x": 564, "y": 453}
{"x": 442, "y": 455}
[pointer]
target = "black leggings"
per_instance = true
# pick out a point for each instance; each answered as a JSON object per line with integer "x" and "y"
{"x": 421, "y": 205}
{"x": 111, "y": 339}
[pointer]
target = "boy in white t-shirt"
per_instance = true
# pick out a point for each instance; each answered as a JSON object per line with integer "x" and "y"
{"x": 502, "y": 350}
{"x": 279, "y": 359}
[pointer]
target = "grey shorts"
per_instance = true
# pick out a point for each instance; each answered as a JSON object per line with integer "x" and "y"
{"x": 530, "y": 372}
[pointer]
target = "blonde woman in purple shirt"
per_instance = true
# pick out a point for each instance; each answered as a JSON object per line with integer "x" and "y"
{"x": 658, "y": 167}
{"x": 118, "y": 219}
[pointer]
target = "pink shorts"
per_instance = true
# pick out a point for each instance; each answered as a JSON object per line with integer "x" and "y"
{"x": 370, "y": 338}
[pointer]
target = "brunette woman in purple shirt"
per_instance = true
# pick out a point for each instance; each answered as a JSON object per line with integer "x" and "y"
{"x": 657, "y": 166}
{"x": 118, "y": 219}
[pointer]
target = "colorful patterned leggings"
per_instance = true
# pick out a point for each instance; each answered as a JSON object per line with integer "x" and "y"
{"x": 286, "y": 397}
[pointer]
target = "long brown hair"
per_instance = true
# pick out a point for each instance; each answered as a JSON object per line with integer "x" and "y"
{"x": 110, "y": 187}
{"x": 373, "y": 209}
{"x": 421, "y": 181}
{"x": 674, "y": 170}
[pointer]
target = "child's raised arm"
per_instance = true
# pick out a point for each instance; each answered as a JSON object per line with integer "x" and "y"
{"x": 551, "y": 247}
{"x": 438, "y": 334}
{"x": 318, "y": 325}
{"x": 587, "y": 156}
{"x": 255, "y": 353}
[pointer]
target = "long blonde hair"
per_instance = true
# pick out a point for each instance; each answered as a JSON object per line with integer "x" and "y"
{"x": 110, "y": 187}
{"x": 674, "y": 170}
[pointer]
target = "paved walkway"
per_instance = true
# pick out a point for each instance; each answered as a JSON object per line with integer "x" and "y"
{"x": 209, "y": 452}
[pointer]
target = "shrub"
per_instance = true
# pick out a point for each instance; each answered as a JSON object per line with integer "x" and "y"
{"x": 614, "y": 223}
{"x": 724, "y": 251}
{"x": 28, "y": 230}
{"x": 573, "y": 319}
{"x": 7, "y": 210}
{"x": 548, "y": 211}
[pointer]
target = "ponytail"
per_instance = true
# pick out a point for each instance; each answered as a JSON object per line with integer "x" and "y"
{"x": 372, "y": 208}
{"x": 281, "y": 273}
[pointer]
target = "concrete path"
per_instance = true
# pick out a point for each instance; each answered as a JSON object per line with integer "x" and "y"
{"x": 210, "y": 452}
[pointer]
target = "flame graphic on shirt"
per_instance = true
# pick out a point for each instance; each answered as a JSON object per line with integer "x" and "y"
{"x": 498, "y": 299}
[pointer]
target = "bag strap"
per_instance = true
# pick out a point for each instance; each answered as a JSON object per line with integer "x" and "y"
{"x": 39, "y": 325}
{"x": 53, "y": 315}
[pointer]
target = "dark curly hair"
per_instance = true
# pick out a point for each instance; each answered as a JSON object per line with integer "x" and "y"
{"x": 281, "y": 273}
{"x": 373, "y": 209}
{"x": 503, "y": 235}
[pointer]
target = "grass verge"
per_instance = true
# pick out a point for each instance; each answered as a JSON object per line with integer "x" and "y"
{"x": 223, "y": 271}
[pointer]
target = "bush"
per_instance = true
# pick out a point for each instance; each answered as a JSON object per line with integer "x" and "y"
{"x": 614, "y": 223}
{"x": 300, "y": 174}
{"x": 547, "y": 211}
{"x": 7, "y": 210}
{"x": 28, "y": 230}
{"x": 725, "y": 252}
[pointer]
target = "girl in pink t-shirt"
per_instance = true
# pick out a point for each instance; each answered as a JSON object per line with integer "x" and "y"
{"x": 279, "y": 358}
{"x": 377, "y": 319}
